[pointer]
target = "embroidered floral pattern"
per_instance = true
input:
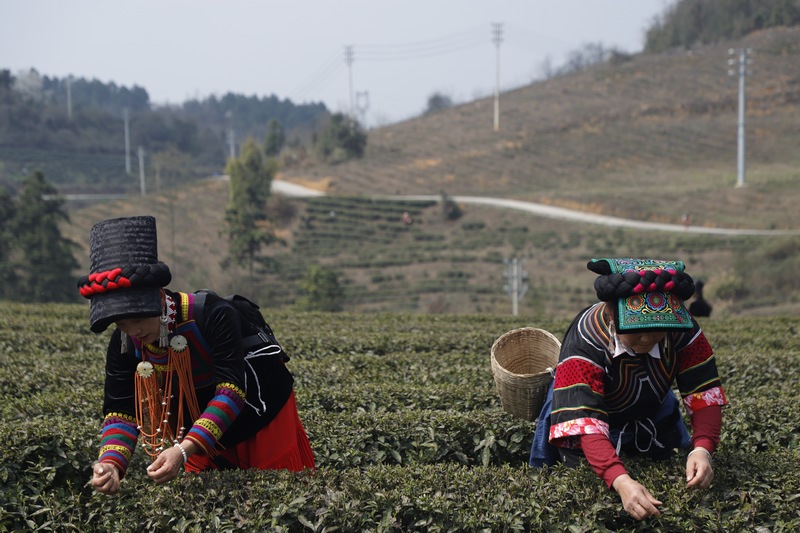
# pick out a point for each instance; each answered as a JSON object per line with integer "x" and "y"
{"x": 560, "y": 433}
{"x": 698, "y": 400}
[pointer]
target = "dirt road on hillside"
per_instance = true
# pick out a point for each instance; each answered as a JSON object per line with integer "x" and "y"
{"x": 292, "y": 189}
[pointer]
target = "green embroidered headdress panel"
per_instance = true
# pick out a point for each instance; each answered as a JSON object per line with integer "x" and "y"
{"x": 645, "y": 294}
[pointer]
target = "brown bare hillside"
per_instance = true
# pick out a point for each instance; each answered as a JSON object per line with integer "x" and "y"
{"x": 650, "y": 138}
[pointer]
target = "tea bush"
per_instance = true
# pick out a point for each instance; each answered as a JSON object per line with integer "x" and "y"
{"x": 408, "y": 434}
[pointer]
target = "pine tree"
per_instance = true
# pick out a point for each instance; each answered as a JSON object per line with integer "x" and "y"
{"x": 44, "y": 258}
{"x": 8, "y": 278}
{"x": 275, "y": 138}
{"x": 248, "y": 229}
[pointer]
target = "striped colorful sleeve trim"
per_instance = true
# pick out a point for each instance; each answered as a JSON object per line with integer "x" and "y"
{"x": 118, "y": 440}
{"x": 713, "y": 396}
{"x": 218, "y": 416}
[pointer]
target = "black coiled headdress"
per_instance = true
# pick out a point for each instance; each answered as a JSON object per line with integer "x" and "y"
{"x": 620, "y": 278}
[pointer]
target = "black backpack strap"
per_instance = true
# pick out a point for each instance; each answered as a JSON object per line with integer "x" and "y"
{"x": 200, "y": 304}
{"x": 263, "y": 335}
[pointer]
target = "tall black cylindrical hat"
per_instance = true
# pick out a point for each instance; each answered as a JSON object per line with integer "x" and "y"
{"x": 126, "y": 277}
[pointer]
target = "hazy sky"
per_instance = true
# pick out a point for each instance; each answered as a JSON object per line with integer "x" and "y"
{"x": 402, "y": 51}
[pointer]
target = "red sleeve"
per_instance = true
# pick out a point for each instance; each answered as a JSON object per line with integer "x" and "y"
{"x": 706, "y": 426}
{"x": 602, "y": 457}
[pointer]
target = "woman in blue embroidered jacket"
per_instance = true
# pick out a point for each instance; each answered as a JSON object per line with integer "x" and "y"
{"x": 180, "y": 378}
{"x": 612, "y": 394}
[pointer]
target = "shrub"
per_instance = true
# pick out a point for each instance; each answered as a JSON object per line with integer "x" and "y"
{"x": 407, "y": 430}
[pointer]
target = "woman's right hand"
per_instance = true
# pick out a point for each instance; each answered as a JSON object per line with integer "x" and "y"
{"x": 105, "y": 478}
{"x": 636, "y": 500}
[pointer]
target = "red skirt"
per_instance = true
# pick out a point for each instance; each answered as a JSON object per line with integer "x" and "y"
{"x": 281, "y": 444}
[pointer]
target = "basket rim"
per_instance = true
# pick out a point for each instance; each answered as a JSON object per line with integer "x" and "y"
{"x": 499, "y": 368}
{"x": 514, "y": 331}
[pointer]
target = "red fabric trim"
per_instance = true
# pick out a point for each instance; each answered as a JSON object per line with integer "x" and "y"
{"x": 699, "y": 400}
{"x": 560, "y": 433}
{"x": 113, "y": 278}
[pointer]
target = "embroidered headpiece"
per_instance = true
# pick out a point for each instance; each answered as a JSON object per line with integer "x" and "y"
{"x": 645, "y": 294}
{"x": 126, "y": 276}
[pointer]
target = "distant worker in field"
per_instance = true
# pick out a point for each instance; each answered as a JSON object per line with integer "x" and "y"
{"x": 612, "y": 393}
{"x": 700, "y": 306}
{"x": 188, "y": 376}
{"x": 407, "y": 218}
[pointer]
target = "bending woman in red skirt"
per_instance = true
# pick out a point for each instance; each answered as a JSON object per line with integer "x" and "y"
{"x": 188, "y": 383}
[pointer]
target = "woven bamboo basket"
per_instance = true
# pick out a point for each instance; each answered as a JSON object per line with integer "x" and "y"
{"x": 522, "y": 364}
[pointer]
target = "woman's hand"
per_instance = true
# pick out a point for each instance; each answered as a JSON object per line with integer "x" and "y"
{"x": 167, "y": 465}
{"x": 105, "y": 478}
{"x": 699, "y": 473}
{"x": 636, "y": 500}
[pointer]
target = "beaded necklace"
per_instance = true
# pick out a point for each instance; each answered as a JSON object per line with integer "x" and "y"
{"x": 154, "y": 388}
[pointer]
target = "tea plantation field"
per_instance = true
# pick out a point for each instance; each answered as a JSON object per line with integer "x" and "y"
{"x": 408, "y": 434}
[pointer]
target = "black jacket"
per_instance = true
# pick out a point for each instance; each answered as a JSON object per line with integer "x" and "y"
{"x": 266, "y": 381}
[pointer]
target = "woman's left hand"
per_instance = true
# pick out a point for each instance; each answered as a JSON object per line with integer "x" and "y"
{"x": 167, "y": 465}
{"x": 699, "y": 473}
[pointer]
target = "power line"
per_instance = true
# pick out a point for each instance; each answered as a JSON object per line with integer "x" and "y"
{"x": 523, "y": 38}
{"x": 420, "y": 54}
{"x": 323, "y": 74}
{"x": 448, "y": 44}
{"x": 391, "y": 52}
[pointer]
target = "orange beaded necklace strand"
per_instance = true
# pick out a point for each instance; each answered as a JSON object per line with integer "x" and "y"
{"x": 154, "y": 397}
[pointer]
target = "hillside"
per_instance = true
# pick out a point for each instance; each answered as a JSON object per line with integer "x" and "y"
{"x": 651, "y": 138}
{"x": 616, "y": 138}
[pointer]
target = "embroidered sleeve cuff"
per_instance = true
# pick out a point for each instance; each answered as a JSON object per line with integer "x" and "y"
{"x": 560, "y": 433}
{"x": 218, "y": 416}
{"x": 698, "y": 400}
{"x": 118, "y": 441}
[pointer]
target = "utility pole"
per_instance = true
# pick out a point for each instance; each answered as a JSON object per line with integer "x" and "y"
{"x": 127, "y": 142}
{"x": 497, "y": 39}
{"x": 231, "y": 144}
{"x": 141, "y": 171}
{"x": 744, "y": 60}
{"x": 69, "y": 97}
{"x": 348, "y": 58}
{"x": 230, "y": 136}
{"x": 515, "y": 282}
{"x": 362, "y": 106}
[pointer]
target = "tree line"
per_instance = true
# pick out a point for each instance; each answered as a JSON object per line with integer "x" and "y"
{"x": 74, "y": 130}
{"x": 37, "y": 263}
{"x": 691, "y": 22}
